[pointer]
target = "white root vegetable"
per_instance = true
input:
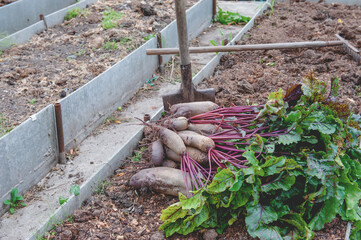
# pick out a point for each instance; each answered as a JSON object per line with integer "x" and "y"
{"x": 172, "y": 140}
{"x": 169, "y": 163}
{"x": 194, "y": 153}
{"x": 197, "y": 155}
{"x": 160, "y": 179}
{"x": 196, "y": 140}
{"x": 157, "y": 153}
{"x": 204, "y": 129}
{"x": 173, "y": 155}
{"x": 193, "y": 108}
{"x": 179, "y": 123}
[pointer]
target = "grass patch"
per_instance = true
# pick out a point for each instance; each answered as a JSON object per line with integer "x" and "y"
{"x": 3, "y": 129}
{"x": 110, "y": 18}
{"x": 110, "y": 45}
{"x": 74, "y": 12}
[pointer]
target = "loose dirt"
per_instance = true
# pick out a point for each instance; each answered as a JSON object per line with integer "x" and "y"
{"x": 58, "y": 61}
{"x": 5, "y": 2}
{"x": 117, "y": 211}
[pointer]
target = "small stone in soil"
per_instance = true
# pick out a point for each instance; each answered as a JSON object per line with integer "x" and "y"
{"x": 157, "y": 236}
{"x": 140, "y": 210}
{"x": 210, "y": 234}
{"x": 62, "y": 94}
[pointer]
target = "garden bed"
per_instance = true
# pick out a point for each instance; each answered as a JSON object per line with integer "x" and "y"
{"x": 117, "y": 211}
{"x": 58, "y": 61}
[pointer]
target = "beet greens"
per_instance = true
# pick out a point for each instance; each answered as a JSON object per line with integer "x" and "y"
{"x": 289, "y": 167}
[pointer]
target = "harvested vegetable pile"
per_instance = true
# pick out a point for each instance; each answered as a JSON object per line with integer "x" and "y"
{"x": 289, "y": 166}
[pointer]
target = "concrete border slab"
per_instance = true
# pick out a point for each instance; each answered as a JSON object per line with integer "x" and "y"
{"x": 24, "y": 34}
{"x": 23, "y": 13}
{"x": 28, "y": 153}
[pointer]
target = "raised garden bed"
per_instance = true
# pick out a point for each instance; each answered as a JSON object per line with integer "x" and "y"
{"x": 117, "y": 211}
{"x": 57, "y": 62}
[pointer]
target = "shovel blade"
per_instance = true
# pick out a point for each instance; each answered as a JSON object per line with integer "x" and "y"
{"x": 177, "y": 97}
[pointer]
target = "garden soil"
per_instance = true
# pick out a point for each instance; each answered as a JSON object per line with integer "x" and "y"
{"x": 5, "y": 2}
{"x": 118, "y": 211}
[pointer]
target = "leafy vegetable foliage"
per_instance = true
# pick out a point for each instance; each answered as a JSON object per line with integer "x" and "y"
{"x": 302, "y": 180}
{"x": 229, "y": 18}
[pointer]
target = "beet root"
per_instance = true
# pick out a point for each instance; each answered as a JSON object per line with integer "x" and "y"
{"x": 160, "y": 179}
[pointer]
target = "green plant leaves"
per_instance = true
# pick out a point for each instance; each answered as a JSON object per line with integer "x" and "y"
{"x": 284, "y": 183}
{"x": 300, "y": 225}
{"x": 326, "y": 214}
{"x": 289, "y": 138}
{"x": 14, "y": 201}
{"x": 228, "y": 18}
{"x": 223, "y": 180}
{"x": 257, "y": 217}
{"x": 75, "y": 189}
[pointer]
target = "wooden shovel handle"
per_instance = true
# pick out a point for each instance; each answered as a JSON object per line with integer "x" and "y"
{"x": 182, "y": 32}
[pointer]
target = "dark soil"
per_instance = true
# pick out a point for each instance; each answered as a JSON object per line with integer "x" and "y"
{"x": 5, "y": 2}
{"x": 58, "y": 61}
{"x": 120, "y": 212}
{"x": 248, "y": 77}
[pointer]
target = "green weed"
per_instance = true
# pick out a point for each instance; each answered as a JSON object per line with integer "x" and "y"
{"x": 124, "y": 40}
{"x": 74, "y": 12}
{"x": 14, "y": 201}
{"x": 110, "y": 18}
{"x": 138, "y": 155}
{"x": 102, "y": 187}
{"x": 229, "y": 18}
{"x": 62, "y": 200}
{"x": 81, "y": 52}
{"x": 149, "y": 37}
{"x": 4, "y": 130}
{"x": 75, "y": 189}
{"x": 224, "y": 39}
{"x": 32, "y": 101}
{"x": 111, "y": 45}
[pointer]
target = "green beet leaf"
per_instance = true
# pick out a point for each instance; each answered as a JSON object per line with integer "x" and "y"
{"x": 193, "y": 202}
{"x": 221, "y": 181}
{"x": 266, "y": 232}
{"x": 326, "y": 214}
{"x": 284, "y": 183}
{"x": 173, "y": 212}
{"x": 299, "y": 224}
{"x": 287, "y": 139}
{"x": 258, "y": 215}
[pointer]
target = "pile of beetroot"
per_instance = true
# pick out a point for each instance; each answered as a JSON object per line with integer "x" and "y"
{"x": 288, "y": 166}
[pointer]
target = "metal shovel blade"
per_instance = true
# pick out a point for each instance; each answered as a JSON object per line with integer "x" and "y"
{"x": 187, "y": 92}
